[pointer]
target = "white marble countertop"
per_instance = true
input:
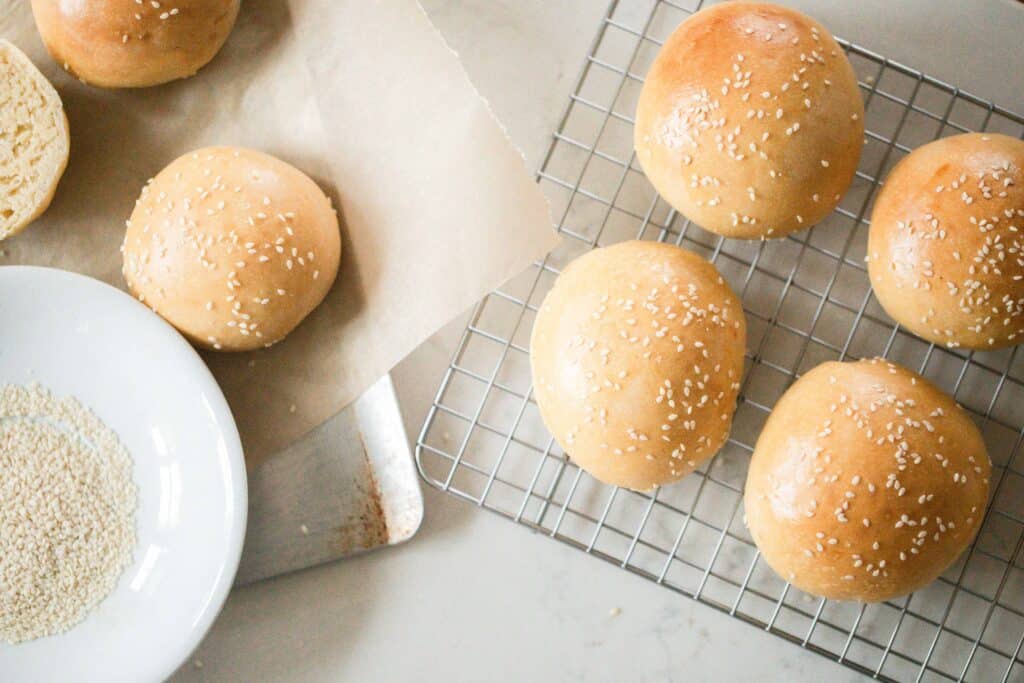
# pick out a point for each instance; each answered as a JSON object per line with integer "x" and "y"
{"x": 472, "y": 597}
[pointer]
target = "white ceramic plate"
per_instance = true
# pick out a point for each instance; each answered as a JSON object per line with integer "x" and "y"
{"x": 81, "y": 337}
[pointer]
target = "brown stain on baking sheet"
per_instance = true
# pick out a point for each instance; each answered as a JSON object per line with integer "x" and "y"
{"x": 370, "y": 528}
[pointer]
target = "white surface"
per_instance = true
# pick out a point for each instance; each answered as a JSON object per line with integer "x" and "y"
{"x": 473, "y": 597}
{"x": 79, "y": 337}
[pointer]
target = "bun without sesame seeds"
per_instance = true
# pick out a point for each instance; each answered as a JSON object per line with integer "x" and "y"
{"x": 750, "y": 121}
{"x": 232, "y": 246}
{"x": 34, "y": 141}
{"x": 866, "y": 483}
{"x": 637, "y": 354}
{"x": 945, "y": 246}
{"x": 134, "y": 43}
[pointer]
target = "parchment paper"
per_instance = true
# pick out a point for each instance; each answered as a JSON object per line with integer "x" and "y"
{"x": 436, "y": 205}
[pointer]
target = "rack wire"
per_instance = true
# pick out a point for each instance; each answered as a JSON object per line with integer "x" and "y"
{"x": 807, "y": 300}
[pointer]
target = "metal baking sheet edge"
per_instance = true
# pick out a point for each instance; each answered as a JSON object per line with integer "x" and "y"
{"x": 347, "y": 487}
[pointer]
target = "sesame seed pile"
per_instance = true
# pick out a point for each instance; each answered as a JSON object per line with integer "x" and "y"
{"x": 67, "y": 504}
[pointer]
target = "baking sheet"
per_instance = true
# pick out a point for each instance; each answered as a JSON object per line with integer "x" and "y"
{"x": 348, "y": 486}
{"x": 436, "y": 206}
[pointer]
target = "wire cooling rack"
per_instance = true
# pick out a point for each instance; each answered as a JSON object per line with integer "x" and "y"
{"x": 807, "y": 300}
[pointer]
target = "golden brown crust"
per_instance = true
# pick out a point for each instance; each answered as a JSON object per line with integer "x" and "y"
{"x": 866, "y": 483}
{"x": 637, "y": 353}
{"x": 233, "y": 247}
{"x": 750, "y": 121}
{"x": 945, "y": 252}
{"x": 134, "y": 43}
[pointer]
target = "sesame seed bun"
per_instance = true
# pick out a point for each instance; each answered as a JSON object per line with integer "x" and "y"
{"x": 750, "y": 121}
{"x": 231, "y": 246}
{"x": 945, "y": 249}
{"x": 637, "y": 353}
{"x": 867, "y": 482}
{"x": 36, "y": 142}
{"x": 134, "y": 43}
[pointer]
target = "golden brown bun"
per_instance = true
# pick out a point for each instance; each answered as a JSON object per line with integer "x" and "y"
{"x": 750, "y": 122}
{"x": 867, "y": 482}
{"x": 637, "y": 353}
{"x": 134, "y": 43}
{"x": 945, "y": 249}
{"x": 231, "y": 246}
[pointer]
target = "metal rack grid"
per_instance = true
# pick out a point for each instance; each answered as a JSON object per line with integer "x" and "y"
{"x": 807, "y": 300}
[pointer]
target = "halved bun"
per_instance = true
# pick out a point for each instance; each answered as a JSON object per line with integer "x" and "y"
{"x": 34, "y": 141}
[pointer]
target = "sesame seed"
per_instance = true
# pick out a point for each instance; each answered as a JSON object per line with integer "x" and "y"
{"x": 59, "y": 562}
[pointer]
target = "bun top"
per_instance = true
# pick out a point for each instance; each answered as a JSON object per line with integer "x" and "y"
{"x": 134, "y": 43}
{"x": 867, "y": 481}
{"x": 750, "y": 121}
{"x": 945, "y": 248}
{"x": 637, "y": 353}
{"x": 231, "y": 246}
